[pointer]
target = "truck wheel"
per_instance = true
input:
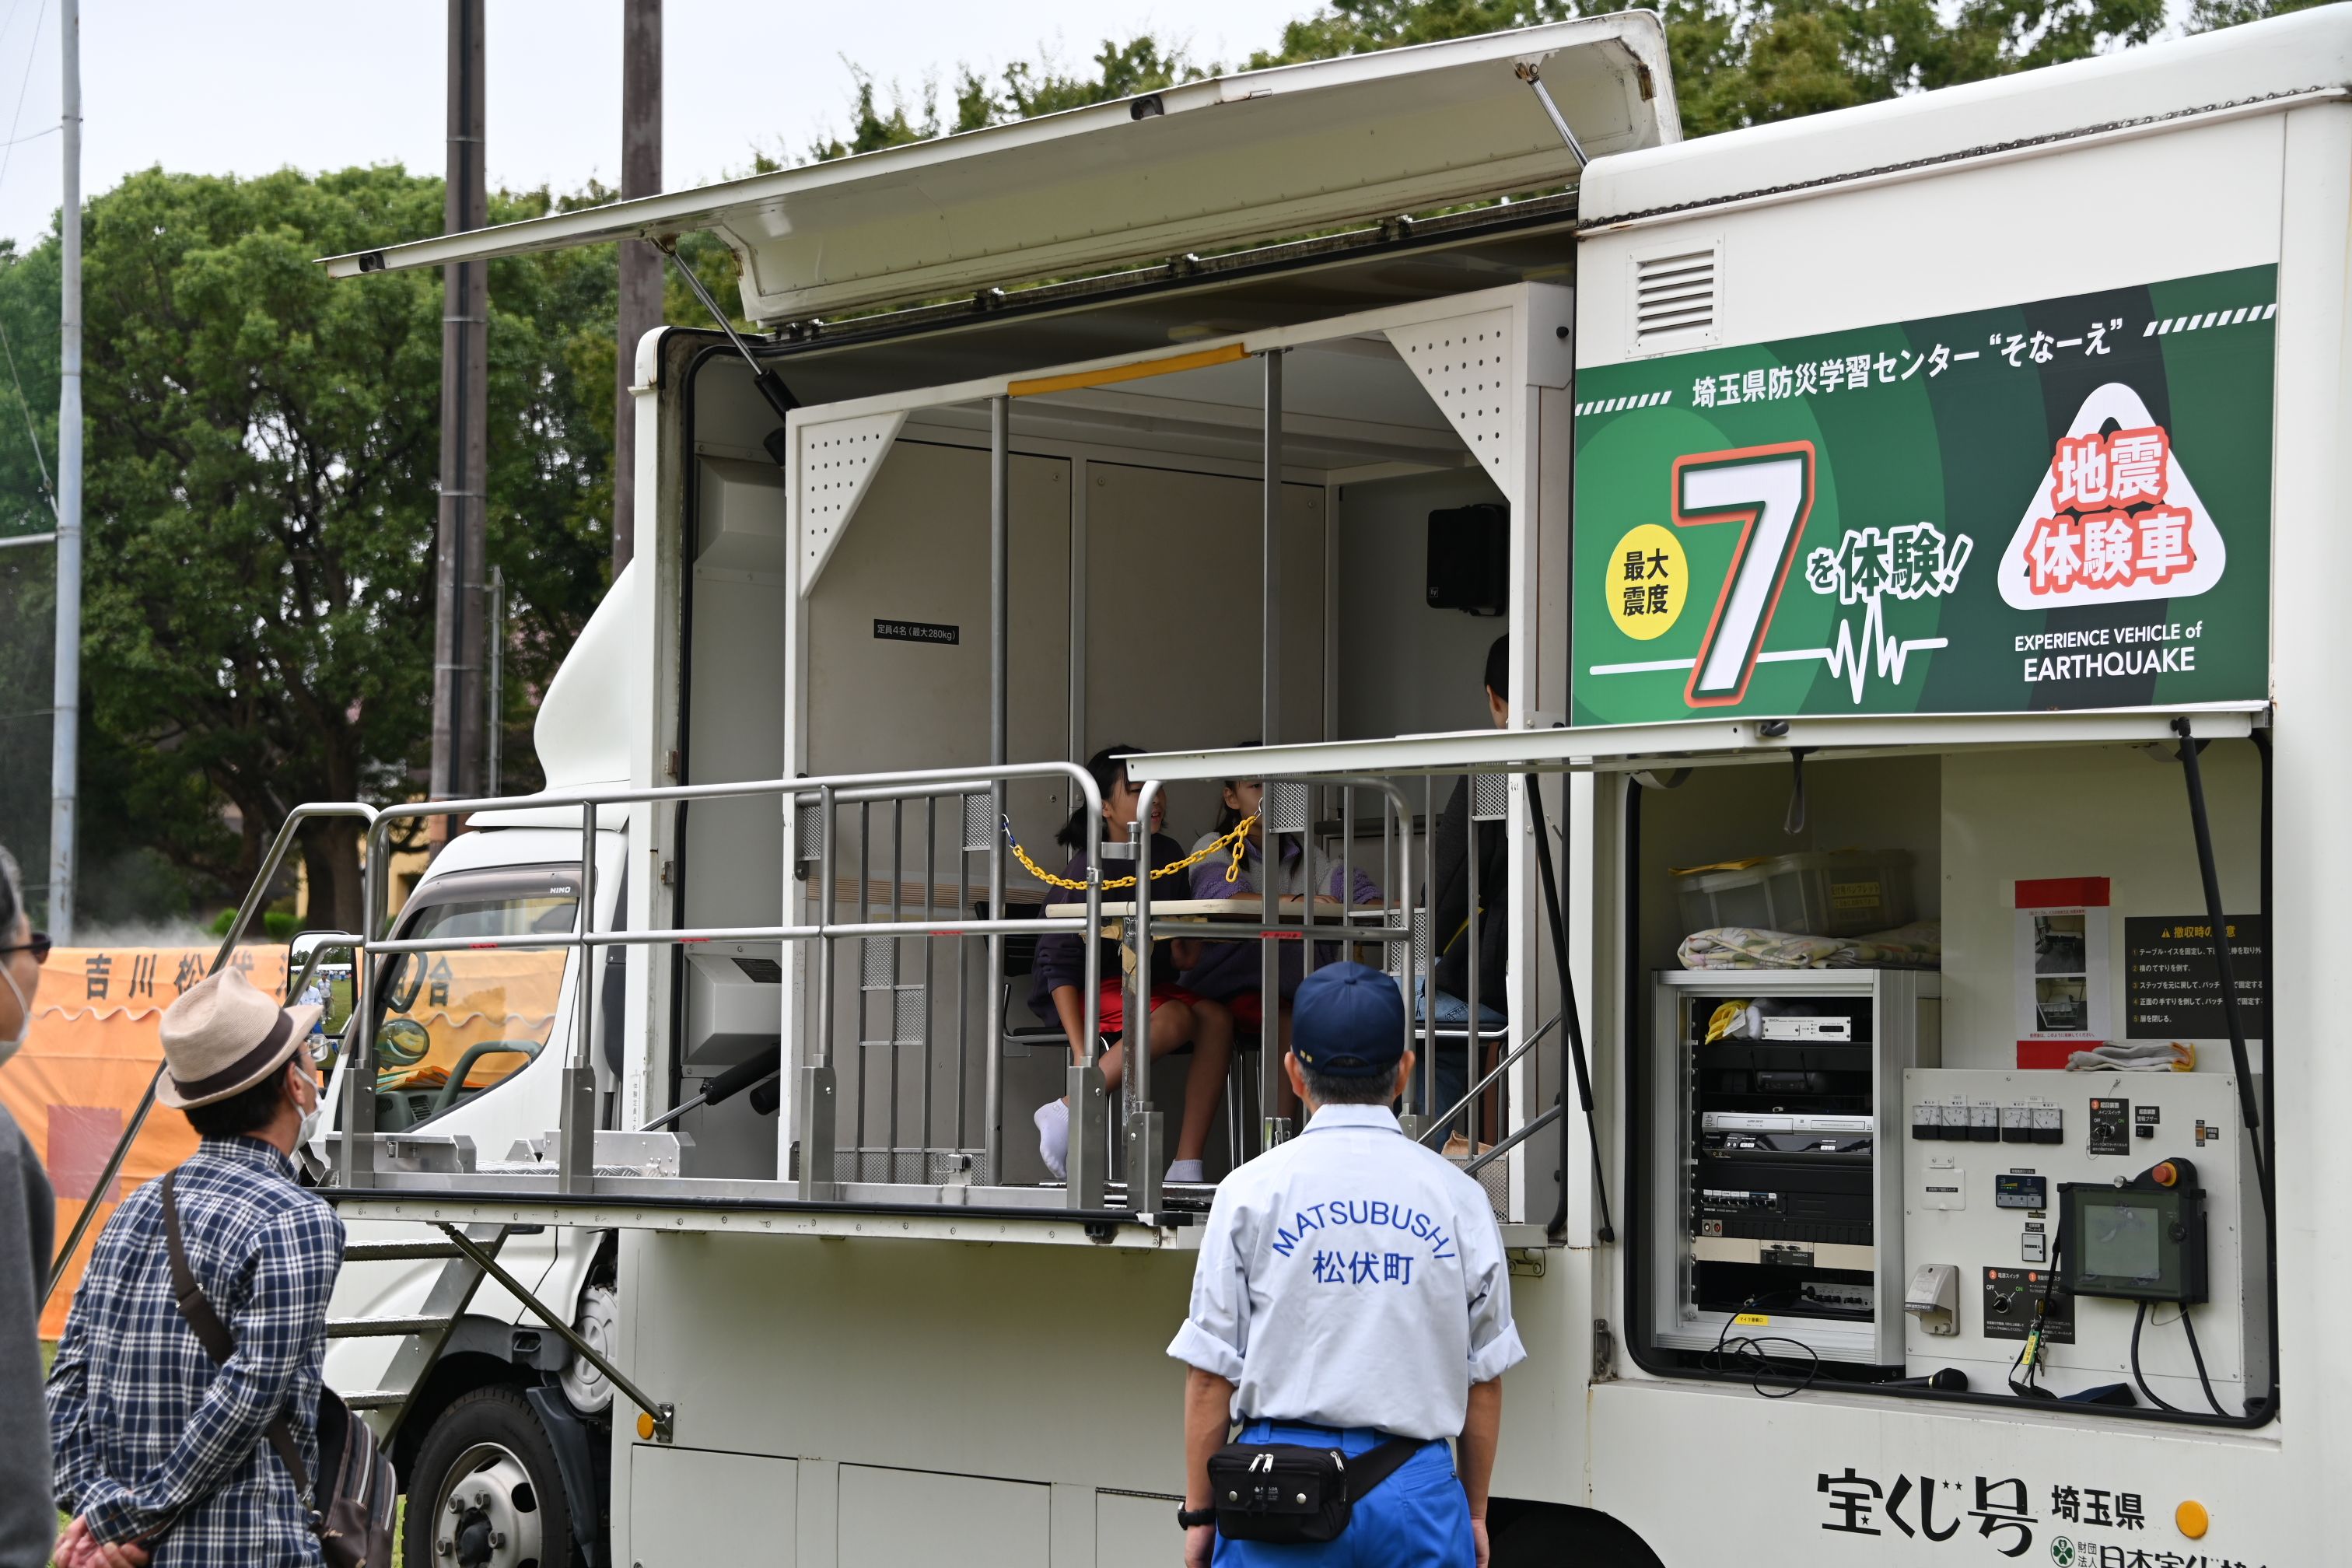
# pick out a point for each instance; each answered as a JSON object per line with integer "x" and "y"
{"x": 1537, "y": 1535}
{"x": 589, "y": 1391}
{"x": 485, "y": 1491}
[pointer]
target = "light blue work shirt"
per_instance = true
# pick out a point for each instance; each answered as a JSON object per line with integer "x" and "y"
{"x": 1351, "y": 1278}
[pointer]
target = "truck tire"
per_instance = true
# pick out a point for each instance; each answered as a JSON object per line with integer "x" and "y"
{"x": 485, "y": 1491}
{"x": 1540, "y": 1535}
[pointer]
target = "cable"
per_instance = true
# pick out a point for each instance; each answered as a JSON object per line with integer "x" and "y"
{"x": 2197, "y": 1355}
{"x": 7, "y": 152}
{"x": 1574, "y": 1035}
{"x": 1747, "y": 1353}
{"x": 2030, "y": 1354}
{"x": 2141, "y": 1383}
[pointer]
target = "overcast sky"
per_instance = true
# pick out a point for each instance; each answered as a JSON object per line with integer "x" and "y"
{"x": 253, "y": 85}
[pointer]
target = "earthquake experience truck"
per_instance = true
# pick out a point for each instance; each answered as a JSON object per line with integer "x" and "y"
{"x": 1915, "y": 530}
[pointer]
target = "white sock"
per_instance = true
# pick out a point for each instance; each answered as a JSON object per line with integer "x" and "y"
{"x": 1054, "y": 1136}
{"x": 1186, "y": 1170}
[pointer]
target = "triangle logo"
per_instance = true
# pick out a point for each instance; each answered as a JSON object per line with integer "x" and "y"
{"x": 2114, "y": 517}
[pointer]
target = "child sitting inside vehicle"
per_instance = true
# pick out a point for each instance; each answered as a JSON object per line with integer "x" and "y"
{"x": 1178, "y": 1014}
{"x": 1230, "y": 972}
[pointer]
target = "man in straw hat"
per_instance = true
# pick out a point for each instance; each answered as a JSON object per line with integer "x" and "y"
{"x": 159, "y": 1450}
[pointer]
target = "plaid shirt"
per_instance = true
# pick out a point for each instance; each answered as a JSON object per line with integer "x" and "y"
{"x": 152, "y": 1438}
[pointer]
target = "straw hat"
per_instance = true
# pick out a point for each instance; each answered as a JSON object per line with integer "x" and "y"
{"x": 223, "y": 1035}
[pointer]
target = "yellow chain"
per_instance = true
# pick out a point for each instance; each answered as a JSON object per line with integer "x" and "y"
{"x": 1230, "y": 841}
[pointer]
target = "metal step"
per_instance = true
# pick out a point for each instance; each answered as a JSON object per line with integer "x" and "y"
{"x": 376, "y": 1399}
{"x": 390, "y": 1251}
{"x": 421, "y": 1334}
{"x": 383, "y": 1328}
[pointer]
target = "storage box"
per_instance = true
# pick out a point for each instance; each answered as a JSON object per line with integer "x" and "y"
{"x": 1841, "y": 893}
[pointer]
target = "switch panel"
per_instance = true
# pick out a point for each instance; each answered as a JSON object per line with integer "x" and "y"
{"x": 1994, "y": 1214}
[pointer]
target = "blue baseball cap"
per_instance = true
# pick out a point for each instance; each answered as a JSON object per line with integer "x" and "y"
{"x": 1348, "y": 1021}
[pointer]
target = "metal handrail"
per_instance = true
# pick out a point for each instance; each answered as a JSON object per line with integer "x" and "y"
{"x": 1142, "y": 1121}
{"x": 574, "y": 1152}
{"x": 271, "y": 864}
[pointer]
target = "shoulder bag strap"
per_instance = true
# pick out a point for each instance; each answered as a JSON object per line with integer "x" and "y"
{"x": 1373, "y": 1466}
{"x": 213, "y": 1334}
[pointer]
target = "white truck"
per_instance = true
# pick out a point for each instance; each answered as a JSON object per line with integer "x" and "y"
{"x": 1906, "y": 708}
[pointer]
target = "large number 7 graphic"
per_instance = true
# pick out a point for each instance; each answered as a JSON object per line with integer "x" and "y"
{"x": 1769, "y": 491}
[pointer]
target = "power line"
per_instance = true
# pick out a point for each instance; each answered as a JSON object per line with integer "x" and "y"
{"x": 7, "y": 152}
{"x": 31, "y": 51}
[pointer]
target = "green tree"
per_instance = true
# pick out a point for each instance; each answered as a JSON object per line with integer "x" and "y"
{"x": 1737, "y": 62}
{"x": 870, "y": 129}
{"x": 260, "y": 495}
{"x": 2207, "y": 15}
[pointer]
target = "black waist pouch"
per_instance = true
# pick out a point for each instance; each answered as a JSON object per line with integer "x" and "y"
{"x": 1288, "y": 1493}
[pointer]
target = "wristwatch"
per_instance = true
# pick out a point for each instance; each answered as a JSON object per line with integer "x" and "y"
{"x": 1191, "y": 1518}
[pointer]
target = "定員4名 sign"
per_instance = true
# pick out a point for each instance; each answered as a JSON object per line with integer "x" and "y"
{"x": 2061, "y": 504}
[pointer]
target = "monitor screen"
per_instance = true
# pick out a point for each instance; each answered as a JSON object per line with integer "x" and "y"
{"x": 2120, "y": 1240}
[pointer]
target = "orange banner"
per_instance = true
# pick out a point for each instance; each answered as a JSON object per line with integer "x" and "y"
{"x": 94, "y": 1047}
{"x": 88, "y": 1059}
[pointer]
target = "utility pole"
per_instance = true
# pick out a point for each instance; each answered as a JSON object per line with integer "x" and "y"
{"x": 463, "y": 537}
{"x": 65, "y": 754}
{"x": 641, "y": 264}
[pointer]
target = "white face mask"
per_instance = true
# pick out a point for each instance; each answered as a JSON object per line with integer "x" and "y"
{"x": 309, "y": 1131}
{"x": 23, "y": 1013}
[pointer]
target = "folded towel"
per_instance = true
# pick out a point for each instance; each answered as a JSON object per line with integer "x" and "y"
{"x": 1919, "y": 945}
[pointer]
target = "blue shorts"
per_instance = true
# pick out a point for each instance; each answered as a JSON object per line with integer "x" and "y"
{"x": 1418, "y": 1518}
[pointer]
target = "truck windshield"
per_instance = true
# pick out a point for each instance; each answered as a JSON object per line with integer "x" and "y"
{"x": 455, "y": 1024}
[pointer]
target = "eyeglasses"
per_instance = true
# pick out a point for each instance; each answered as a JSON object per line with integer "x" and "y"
{"x": 38, "y": 947}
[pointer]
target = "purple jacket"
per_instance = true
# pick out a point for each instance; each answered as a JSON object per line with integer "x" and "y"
{"x": 1062, "y": 960}
{"x": 1229, "y": 969}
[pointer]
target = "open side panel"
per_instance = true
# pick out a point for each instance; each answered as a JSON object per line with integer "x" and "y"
{"x": 1190, "y": 167}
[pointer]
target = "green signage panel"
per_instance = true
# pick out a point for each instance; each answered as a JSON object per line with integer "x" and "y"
{"x": 2057, "y": 505}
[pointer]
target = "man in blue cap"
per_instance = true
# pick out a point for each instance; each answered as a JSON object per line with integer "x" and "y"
{"x": 1352, "y": 1289}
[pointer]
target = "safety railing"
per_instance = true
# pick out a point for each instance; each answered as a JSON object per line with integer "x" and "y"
{"x": 895, "y": 923}
{"x": 980, "y": 796}
{"x": 1286, "y": 832}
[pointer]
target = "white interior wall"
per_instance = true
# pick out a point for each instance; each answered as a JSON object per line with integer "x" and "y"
{"x": 1735, "y": 813}
{"x": 732, "y": 845}
{"x": 1976, "y": 823}
{"x": 1403, "y": 669}
{"x": 1159, "y": 498}
{"x": 1186, "y": 671}
{"x": 918, "y": 550}
{"x": 2119, "y": 813}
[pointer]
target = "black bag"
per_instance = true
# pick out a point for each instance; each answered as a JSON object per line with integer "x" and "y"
{"x": 355, "y": 1523}
{"x": 1292, "y": 1495}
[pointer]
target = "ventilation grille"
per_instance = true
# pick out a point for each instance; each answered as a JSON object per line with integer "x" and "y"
{"x": 1674, "y": 300}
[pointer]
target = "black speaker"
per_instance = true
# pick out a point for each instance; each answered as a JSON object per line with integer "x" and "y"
{"x": 1469, "y": 558}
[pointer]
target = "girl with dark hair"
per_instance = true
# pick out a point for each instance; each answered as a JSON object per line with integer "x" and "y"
{"x": 1230, "y": 972}
{"x": 1177, "y": 1015}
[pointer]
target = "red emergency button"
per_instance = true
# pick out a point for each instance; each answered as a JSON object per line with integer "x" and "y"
{"x": 2165, "y": 1174}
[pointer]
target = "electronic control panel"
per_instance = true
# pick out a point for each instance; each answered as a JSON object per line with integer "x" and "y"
{"x": 2065, "y": 1143}
{"x": 1778, "y": 1139}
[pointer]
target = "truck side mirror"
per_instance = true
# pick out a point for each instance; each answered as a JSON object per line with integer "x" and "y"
{"x": 318, "y": 972}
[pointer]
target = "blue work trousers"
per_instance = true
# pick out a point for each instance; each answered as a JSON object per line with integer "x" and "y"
{"x": 1418, "y": 1518}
